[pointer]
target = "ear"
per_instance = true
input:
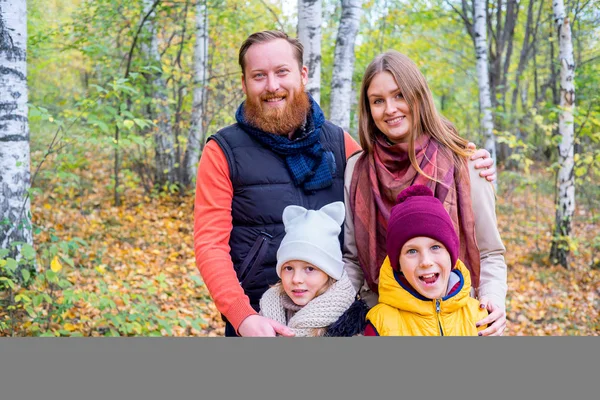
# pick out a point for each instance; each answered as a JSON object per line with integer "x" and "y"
{"x": 292, "y": 212}
{"x": 336, "y": 211}
{"x": 244, "y": 84}
{"x": 304, "y": 75}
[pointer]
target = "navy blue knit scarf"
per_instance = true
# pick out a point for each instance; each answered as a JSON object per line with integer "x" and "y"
{"x": 310, "y": 166}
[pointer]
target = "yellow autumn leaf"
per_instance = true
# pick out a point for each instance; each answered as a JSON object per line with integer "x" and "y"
{"x": 69, "y": 327}
{"x": 55, "y": 265}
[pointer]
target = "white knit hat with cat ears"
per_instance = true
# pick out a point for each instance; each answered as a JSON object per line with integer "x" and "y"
{"x": 312, "y": 236}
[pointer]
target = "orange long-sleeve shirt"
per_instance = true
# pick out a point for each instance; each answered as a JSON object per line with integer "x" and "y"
{"x": 212, "y": 228}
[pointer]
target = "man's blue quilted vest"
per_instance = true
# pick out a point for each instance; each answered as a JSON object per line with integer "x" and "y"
{"x": 262, "y": 188}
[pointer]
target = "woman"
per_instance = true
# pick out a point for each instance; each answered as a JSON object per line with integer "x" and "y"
{"x": 406, "y": 141}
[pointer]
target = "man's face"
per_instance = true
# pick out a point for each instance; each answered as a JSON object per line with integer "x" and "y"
{"x": 274, "y": 87}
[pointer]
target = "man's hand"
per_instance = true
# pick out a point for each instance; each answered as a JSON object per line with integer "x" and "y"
{"x": 496, "y": 320}
{"x": 259, "y": 326}
{"x": 484, "y": 161}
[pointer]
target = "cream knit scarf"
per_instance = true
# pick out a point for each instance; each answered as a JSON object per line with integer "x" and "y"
{"x": 319, "y": 313}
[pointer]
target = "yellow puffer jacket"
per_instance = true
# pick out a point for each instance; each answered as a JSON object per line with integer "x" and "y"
{"x": 401, "y": 313}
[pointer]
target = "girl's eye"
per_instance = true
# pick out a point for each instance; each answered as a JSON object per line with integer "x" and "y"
{"x": 310, "y": 269}
{"x": 287, "y": 268}
{"x": 399, "y": 96}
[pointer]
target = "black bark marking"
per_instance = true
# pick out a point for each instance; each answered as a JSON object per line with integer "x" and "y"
{"x": 13, "y": 138}
{"x": 6, "y": 43}
{"x": 7, "y": 71}
{"x": 8, "y": 107}
{"x": 13, "y": 117}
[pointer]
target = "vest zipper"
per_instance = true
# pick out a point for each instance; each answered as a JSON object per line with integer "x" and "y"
{"x": 437, "y": 311}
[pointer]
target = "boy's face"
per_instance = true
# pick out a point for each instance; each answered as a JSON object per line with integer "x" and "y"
{"x": 426, "y": 264}
{"x": 302, "y": 281}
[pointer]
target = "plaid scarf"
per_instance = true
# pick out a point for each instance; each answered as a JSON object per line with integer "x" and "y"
{"x": 308, "y": 163}
{"x": 377, "y": 180}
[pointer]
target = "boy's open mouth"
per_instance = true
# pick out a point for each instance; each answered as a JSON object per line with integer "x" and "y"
{"x": 429, "y": 279}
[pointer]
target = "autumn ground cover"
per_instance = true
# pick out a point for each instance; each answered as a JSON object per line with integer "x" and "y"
{"x": 132, "y": 271}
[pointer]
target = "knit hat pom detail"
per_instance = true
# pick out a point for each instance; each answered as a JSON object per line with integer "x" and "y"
{"x": 412, "y": 191}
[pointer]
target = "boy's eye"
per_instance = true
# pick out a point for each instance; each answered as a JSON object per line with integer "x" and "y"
{"x": 435, "y": 247}
{"x": 411, "y": 251}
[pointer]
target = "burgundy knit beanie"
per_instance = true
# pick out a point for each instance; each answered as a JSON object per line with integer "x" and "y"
{"x": 418, "y": 213}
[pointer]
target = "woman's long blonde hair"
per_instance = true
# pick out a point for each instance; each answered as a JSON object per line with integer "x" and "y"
{"x": 425, "y": 117}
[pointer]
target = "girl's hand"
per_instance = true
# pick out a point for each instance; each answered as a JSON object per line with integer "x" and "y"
{"x": 496, "y": 320}
{"x": 484, "y": 161}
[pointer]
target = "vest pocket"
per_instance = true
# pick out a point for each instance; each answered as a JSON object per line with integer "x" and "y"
{"x": 253, "y": 261}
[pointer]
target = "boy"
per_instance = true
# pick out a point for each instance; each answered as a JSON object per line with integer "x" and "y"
{"x": 423, "y": 286}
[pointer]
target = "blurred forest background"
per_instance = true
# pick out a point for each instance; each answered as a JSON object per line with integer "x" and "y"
{"x": 123, "y": 93}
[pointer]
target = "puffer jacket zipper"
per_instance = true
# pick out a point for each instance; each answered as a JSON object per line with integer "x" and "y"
{"x": 437, "y": 312}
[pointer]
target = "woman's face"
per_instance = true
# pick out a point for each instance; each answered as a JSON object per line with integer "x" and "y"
{"x": 390, "y": 111}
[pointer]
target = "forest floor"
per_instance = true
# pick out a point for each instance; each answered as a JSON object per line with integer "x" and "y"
{"x": 139, "y": 275}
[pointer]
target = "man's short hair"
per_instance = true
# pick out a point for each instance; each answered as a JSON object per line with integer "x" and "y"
{"x": 268, "y": 36}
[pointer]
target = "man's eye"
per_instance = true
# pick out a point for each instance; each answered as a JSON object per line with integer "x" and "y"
{"x": 282, "y": 71}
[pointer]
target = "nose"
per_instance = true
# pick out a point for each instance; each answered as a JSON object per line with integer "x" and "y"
{"x": 298, "y": 277}
{"x": 426, "y": 260}
{"x": 272, "y": 83}
{"x": 389, "y": 107}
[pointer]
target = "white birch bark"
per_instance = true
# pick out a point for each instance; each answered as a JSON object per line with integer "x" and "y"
{"x": 15, "y": 218}
{"x": 343, "y": 64}
{"x": 165, "y": 171}
{"x": 485, "y": 101}
{"x": 196, "y": 134}
{"x": 310, "y": 16}
{"x": 565, "y": 200}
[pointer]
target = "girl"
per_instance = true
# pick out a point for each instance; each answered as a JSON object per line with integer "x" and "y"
{"x": 406, "y": 141}
{"x": 314, "y": 292}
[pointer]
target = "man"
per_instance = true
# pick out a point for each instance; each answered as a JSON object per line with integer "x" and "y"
{"x": 280, "y": 152}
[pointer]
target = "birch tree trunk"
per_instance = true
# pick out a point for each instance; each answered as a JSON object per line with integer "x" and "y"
{"x": 165, "y": 171}
{"x": 15, "y": 215}
{"x": 310, "y": 16}
{"x": 480, "y": 33}
{"x": 565, "y": 199}
{"x": 196, "y": 134}
{"x": 343, "y": 64}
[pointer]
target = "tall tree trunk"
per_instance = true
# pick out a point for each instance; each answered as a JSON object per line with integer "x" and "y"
{"x": 343, "y": 64}
{"x": 565, "y": 199}
{"x": 197, "y": 134}
{"x": 15, "y": 214}
{"x": 310, "y": 16}
{"x": 164, "y": 163}
{"x": 480, "y": 32}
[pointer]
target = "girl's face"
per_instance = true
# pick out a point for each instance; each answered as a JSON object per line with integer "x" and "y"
{"x": 302, "y": 281}
{"x": 426, "y": 265}
{"x": 390, "y": 111}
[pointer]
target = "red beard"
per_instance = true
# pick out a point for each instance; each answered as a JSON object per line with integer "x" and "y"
{"x": 282, "y": 120}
